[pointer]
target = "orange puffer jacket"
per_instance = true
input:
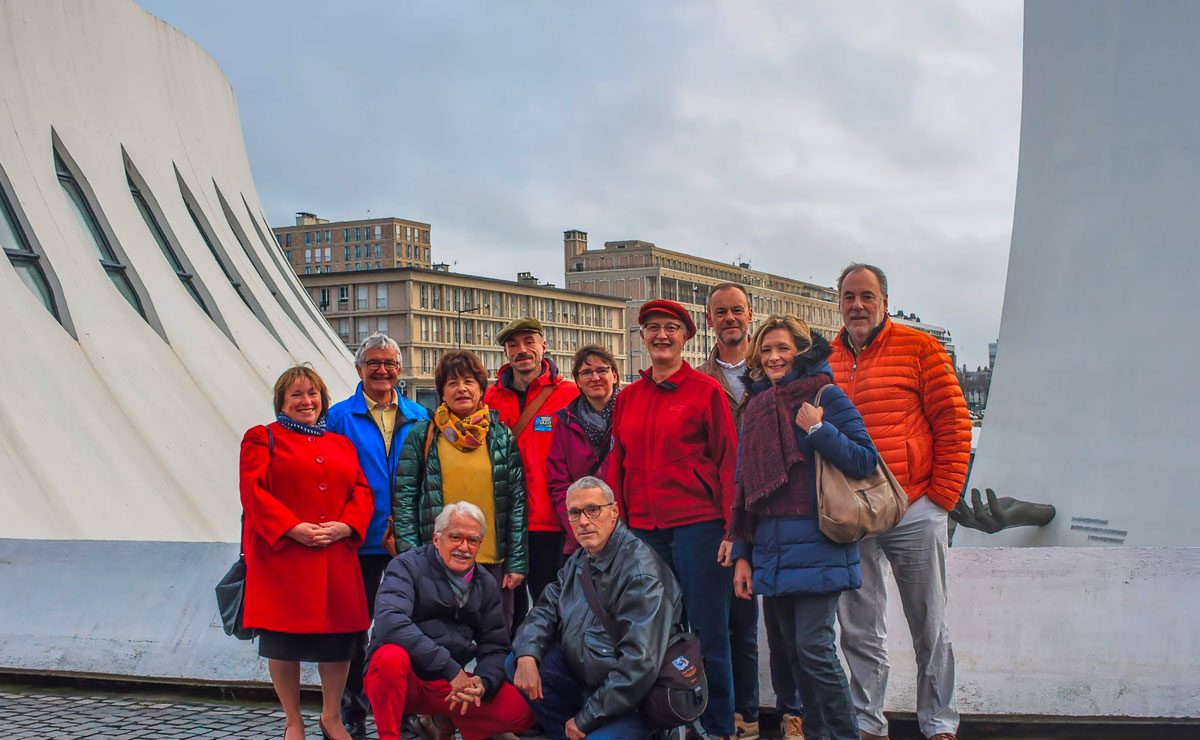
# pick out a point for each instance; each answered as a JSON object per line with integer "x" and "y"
{"x": 904, "y": 386}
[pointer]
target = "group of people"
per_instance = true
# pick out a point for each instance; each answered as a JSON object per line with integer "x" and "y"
{"x": 484, "y": 538}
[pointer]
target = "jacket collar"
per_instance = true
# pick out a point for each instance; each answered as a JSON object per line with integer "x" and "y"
{"x": 358, "y": 404}
{"x": 671, "y": 383}
{"x": 612, "y": 548}
{"x": 885, "y": 327}
{"x": 549, "y": 376}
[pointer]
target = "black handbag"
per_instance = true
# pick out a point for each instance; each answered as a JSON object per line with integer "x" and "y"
{"x": 680, "y": 691}
{"x": 231, "y": 590}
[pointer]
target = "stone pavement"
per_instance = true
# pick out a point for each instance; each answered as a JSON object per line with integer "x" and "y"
{"x": 41, "y": 714}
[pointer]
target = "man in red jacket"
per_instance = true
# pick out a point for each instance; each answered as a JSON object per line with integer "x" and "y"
{"x": 527, "y": 394}
{"x": 903, "y": 383}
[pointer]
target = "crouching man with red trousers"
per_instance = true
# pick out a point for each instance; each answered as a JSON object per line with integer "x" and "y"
{"x": 436, "y": 611}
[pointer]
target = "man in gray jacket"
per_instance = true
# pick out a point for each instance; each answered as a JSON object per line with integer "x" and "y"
{"x": 579, "y": 680}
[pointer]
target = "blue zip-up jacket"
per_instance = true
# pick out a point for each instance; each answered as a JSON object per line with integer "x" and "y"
{"x": 351, "y": 418}
{"x": 789, "y": 554}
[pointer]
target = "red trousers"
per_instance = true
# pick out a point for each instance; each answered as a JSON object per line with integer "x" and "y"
{"x": 394, "y": 690}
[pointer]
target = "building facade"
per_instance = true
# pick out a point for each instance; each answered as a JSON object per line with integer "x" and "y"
{"x": 939, "y": 333}
{"x": 316, "y": 245}
{"x": 430, "y": 311}
{"x": 638, "y": 271}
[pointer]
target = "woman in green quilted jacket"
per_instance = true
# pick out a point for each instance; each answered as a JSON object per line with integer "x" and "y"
{"x": 465, "y": 454}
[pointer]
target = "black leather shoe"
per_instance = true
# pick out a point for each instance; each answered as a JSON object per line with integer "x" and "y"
{"x": 356, "y": 727}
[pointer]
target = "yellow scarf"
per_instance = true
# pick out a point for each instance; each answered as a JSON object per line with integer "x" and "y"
{"x": 465, "y": 434}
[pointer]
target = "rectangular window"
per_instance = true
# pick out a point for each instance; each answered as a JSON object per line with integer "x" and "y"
{"x": 344, "y": 329}
{"x": 323, "y": 300}
{"x": 320, "y": 237}
{"x": 308, "y": 256}
{"x": 358, "y": 233}
{"x": 345, "y": 235}
{"x": 328, "y": 236}
{"x": 408, "y": 251}
{"x": 362, "y": 297}
{"x": 308, "y": 238}
{"x": 329, "y": 254}
{"x": 381, "y": 325}
{"x": 287, "y": 240}
{"x": 347, "y": 257}
{"x": 358, "y": 251}
{"x": 378, "y": 265}
{"x": 424, "y": 295}
{"x": 378, "y": 231}
{"x": 378, "y": 251}
{"x": 307, "y": 270}
{"x": 364, "y": 329}
{"x": 343, "y": 294}
{"x": 288, "y": 254}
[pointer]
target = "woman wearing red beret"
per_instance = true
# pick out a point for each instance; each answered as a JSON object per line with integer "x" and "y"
{"x": 672, "y": 469}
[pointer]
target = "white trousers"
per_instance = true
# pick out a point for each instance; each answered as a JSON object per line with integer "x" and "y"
{"x": 916, "y": 550}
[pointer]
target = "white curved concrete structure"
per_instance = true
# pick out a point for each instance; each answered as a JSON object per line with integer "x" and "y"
{"x": 1094, "y": 399}
{"x": 112, "y": 426}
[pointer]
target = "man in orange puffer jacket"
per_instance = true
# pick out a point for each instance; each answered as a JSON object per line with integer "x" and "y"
{"x": 903, "y": 383}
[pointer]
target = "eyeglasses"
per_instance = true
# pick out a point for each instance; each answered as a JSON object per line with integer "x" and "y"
{"x": 591, "y": 373}
{"x": 457, "y": 538}
{"x": 591, "y": 512}
{"x": 670, "y": 329}
{"x": 376, "y": 364}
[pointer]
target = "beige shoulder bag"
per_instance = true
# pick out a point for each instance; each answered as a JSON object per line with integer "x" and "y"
{"x": 849, "y": 509}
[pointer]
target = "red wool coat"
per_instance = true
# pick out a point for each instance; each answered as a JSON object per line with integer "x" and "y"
{"x": 291, "y": 587}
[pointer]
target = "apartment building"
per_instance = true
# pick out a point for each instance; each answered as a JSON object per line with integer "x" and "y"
{"x": 639, "y": 271}
{"x": 316, "y": 245}
{"x": 428, "y": 311}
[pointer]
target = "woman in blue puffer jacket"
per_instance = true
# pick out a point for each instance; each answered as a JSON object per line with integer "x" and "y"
{"x": 779, "y": 549}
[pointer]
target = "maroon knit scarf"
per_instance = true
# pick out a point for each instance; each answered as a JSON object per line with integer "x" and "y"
{"x": 768, "y": 450}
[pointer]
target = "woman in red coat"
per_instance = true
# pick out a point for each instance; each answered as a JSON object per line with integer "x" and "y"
{"x": 307, "y": 508}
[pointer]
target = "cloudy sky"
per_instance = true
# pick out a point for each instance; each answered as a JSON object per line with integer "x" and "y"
{"x": 796, "y": 135}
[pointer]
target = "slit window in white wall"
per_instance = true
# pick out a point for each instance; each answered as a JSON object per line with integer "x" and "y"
{"x": 24, "y": 260}
{"x": 160, "y": 238}
{"x": 96, "y": 238}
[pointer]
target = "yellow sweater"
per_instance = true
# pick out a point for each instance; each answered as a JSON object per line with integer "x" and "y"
{"x": 467, "y": 476}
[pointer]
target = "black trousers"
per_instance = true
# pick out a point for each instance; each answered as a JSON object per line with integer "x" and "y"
{"x": 545, "y": 559}
{"x": 354, "y": 699}
{"x": 743, "y": 649}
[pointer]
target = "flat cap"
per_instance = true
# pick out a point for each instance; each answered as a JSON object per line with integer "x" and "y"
{"x": 670, "y": 308}
{"x": 516, "y": 325}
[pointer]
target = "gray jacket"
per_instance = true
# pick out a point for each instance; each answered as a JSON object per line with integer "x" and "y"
{"x": 640, "y": 593}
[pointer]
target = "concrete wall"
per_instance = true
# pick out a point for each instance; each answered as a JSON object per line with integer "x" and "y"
{"x": 113, "y": 427}
{"x": 1039, "y": 632}
{"x": 1094, "y": 396}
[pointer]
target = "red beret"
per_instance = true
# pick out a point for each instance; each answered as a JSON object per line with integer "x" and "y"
{"x": 670, "y": 308}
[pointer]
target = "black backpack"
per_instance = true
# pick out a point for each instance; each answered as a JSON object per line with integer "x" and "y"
{"x": 680, "y": 691}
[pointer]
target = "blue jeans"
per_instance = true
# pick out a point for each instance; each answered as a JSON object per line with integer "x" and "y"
{"x": 691, "y": 551}
{"x": 801, "y": 628}
{"x": 563, "y": 696}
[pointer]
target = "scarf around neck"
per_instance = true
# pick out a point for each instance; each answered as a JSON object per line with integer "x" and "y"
{"x": 288, "y": 422}
{"x": 465, "y": 434}
{"x": 768, "y": 448}
{"x": 597, "y": 425}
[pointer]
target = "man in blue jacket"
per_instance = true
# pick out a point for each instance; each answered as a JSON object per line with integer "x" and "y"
{"x": 376, "y": 419}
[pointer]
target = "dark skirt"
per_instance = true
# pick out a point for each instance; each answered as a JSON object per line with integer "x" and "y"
{"x": 308, "y": 648}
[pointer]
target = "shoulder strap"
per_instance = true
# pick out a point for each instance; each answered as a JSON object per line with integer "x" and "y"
{"x": 429, "y": 432}
{"x": 820, "y": 392}
{"x": 531, "y": 408}
{"x": 593, "y": 600}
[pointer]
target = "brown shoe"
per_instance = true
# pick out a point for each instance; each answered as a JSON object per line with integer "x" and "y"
{"x": 944, "y": 736}
{"x": 434, "y": 727}
{"x": 791, "y": 727}
{"x": 744, "y": 730}
{"x": 864, "y": 735}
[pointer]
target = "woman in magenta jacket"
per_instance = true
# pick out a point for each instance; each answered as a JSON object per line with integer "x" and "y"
{"x": 583, "y": 434}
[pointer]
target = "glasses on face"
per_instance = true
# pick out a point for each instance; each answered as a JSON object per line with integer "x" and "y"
{"x": 385, "y": 364}
{"x": 590, "y": 373}
{"x": 591, "y": 512}
{"x": 670, "y": 329}
{"x": 457, "y": 538}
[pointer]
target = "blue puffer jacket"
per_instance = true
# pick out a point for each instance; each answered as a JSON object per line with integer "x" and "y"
{"x": 790, "y": 555}
{"x": 350, "y": 418}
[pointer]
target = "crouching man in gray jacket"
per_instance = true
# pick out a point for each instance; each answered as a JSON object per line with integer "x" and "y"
{"x": 579, "y": 681}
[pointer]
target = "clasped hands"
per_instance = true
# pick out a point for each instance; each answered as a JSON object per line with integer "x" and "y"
{"x": 319, "y": 535}
{"x": 465, "y": 691}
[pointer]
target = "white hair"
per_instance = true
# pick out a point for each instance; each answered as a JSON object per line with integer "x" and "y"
{"x": 461, "y": 508}
{"x": 378, "y": 340}
{"x": 588, "y": 482}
